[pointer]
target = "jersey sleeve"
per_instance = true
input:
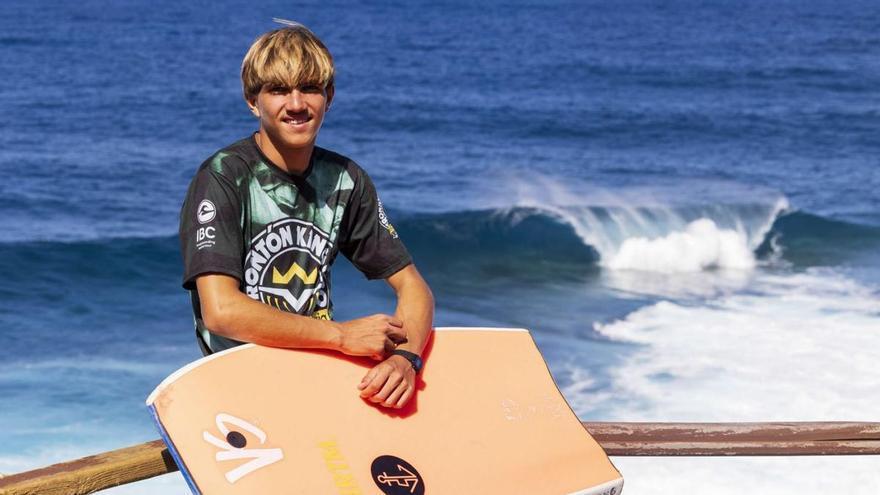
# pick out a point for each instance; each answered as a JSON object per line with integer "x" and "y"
{"x": 210, "y": 228}
{"x": 367, "y": 237}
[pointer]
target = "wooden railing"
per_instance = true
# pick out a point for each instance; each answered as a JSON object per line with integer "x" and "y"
{"x": 150, "y": 459}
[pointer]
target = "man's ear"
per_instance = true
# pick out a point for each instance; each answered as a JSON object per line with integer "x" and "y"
{"x": 252, "y": 105}
{"x": 331, "y": 90}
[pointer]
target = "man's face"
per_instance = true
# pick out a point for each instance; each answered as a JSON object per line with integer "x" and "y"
{"x": 291, "y": 117}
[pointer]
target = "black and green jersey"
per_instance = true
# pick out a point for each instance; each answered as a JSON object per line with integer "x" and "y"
{"x": 278, "y": 233}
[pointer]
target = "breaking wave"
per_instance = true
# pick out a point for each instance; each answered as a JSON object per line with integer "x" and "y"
{"x": 651, "y": 238}
{"x": 665, "y": 239}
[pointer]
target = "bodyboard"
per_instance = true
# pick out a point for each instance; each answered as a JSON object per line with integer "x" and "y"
{"x": 487, "y": 418}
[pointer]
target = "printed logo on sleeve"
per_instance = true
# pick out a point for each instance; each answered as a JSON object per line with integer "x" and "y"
{"x": 205, "y": 237}
{"x": 206, "y": 211}
{"x": 383, "y": 221}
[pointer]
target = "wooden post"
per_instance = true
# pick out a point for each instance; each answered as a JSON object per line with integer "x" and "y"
{"x": 93, "y": 473}
{"x": 118, "y": 467}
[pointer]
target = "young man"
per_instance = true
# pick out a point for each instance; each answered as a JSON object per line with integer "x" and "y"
{"x": 265, "y": 217}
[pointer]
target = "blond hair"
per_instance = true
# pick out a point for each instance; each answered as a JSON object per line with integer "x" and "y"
{"x": 290, "y": 56}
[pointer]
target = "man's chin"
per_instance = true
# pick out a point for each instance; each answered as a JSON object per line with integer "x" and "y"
{"x": 292, "y": 141}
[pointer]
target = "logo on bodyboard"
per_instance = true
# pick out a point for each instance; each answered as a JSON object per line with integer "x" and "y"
{"x": 234, "y": 447}
{"x": 394, "y": 476}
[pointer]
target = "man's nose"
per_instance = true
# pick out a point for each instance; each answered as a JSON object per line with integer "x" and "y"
{"x": 295, "y": 101}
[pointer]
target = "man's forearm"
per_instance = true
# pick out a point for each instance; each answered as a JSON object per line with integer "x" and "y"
{"x": 232, "y": 314}
{"x": 415, "y": 307}
{"x": 392, "y": 382}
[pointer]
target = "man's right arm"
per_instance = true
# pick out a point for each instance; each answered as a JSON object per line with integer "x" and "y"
{"x": 230, "y": 313}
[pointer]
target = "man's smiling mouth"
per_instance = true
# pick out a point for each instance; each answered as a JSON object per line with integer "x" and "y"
{"x": 298, "y": 120}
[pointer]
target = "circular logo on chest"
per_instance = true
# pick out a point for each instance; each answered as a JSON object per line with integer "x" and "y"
{"x": 394, "y": 476}
{"x": 286, "y": 268}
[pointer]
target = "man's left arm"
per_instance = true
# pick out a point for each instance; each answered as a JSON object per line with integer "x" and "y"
{"x": 391, "y": 383}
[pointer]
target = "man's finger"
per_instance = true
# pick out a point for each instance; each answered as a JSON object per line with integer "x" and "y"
{"x": 389, "y": 346}
{"x": 397, "y": 336}
{"x": 376, "y": 381}
{"x": 367, "y": 379}
{"x": 389, "y": 387}
{"x": 395, "y": 321}
{"x": 392, "y": 399}
{"x": 405, "y": 397}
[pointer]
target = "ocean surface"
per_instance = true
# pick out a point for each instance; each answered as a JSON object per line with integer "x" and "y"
{"x": 679, "y": 198}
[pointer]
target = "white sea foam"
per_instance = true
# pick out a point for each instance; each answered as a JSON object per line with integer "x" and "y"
{"x": 795, "y": 347}
{"x": 700, "y": 246}
{"x": 679, "y": 285}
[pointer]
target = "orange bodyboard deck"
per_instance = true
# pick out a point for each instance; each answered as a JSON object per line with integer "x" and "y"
{"x": 487, "y": 419}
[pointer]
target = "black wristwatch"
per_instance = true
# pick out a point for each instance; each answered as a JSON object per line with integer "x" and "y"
{"x": 412, "y": 357}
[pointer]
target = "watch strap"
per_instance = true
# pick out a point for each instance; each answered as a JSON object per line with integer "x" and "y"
{"x": 414, "y": 359}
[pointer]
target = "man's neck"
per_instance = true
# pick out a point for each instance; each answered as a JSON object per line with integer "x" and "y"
{"x": 291, "y": 160}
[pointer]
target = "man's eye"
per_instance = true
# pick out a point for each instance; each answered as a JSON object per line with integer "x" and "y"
{"x": 278, "y": 90}
{"x": 310, "y": 88}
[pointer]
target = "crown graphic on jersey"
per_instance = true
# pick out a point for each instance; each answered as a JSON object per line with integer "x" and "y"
{"x": 294, "y": 271}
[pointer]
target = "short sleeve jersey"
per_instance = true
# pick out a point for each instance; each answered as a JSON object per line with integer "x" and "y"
{"x": 278, "y": 233}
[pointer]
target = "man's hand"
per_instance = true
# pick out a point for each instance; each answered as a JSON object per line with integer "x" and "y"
{"x": 390, "y": 383}
{"x": 375, "y": 336}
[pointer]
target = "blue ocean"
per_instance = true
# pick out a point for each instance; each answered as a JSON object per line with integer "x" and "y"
{"x": 679, "y": 199}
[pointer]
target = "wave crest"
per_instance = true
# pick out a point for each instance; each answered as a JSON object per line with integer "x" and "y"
{"x": 702, "y": 245}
